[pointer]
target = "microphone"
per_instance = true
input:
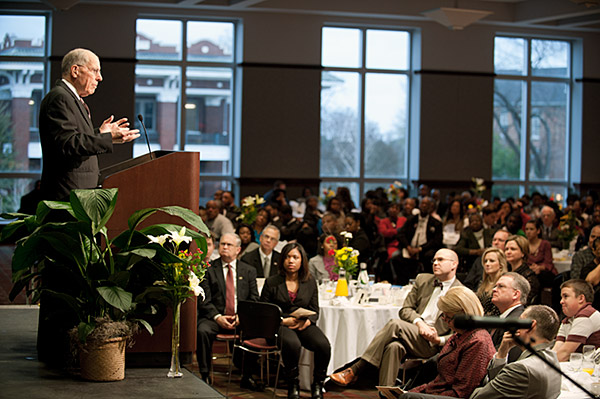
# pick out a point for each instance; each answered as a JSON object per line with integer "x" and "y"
{"x": 466, "y": 322}
{"x": 141, "y": 119}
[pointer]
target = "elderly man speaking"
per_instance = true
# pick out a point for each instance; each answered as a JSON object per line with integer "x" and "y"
{"x": 70, "y": 143}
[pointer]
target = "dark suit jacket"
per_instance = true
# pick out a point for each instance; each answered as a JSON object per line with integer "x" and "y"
{"x": 469, "y": 241}
{"x": 253, "y": 259}
{"x": 69, "y": 144}
{"x": 433, "y": 235}
{"x": 416, "y": 301}
{"x": 275, "y": 291}
{"x": 497, "y": 335}
{"x": 214, "y": 288}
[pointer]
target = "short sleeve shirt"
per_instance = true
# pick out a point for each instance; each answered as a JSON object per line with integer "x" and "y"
{"x": 584, "y": 327}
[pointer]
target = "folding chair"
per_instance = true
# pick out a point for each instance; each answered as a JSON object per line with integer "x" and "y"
{"x": 258, "y": 333}
{"x": 226, "y": 338}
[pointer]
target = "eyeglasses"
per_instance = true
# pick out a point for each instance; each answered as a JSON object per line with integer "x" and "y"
{"x": 502, "y": 286}
{"x": 440, "y": 260}
{"x": 95, "y": 71}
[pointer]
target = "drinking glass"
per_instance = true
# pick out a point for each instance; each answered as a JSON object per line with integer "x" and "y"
{"x": 575, "y": 361}
{"x": 588, "y": 351}
{"x": 588, "y": 366}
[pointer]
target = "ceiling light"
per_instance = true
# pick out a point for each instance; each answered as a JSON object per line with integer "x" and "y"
{"x": 455, "y": 18}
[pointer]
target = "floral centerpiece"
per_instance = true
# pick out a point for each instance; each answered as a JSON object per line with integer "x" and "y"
{"x": 568, "y": 228}
{"x": 180, "y": 277}
{"x": 346, "y": 258}
{"x": 326, "y": 195}
{"x": 250, "y": 207}
{"x": 393, "y": 192}
{"x": 478, "y": 186}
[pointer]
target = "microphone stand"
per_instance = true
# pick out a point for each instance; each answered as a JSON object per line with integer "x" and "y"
{"x": 520, "y": 342}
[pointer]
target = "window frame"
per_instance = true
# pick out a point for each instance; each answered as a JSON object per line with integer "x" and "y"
{"x": 361, "y": 181}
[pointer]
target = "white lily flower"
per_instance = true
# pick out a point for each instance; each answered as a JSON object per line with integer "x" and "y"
{"x": 179, "y": 237}
{"x": 346, "y": 234}
{"x": 259, "y": 200}
{"x": 247, "y": 201}
{"x": 354, "y": 253}
{"x": 159, "y": 240}
{"x": 194, "y": 283}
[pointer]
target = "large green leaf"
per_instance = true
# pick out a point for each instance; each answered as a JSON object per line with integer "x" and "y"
{"x": 184, "y": 214}
{"x": 94, "y": 206}
{"x": 117, "y": 297}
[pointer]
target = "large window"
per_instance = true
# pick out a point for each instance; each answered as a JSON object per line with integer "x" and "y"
{"x": 184, "y": 90}
{"x": 23, "y": 60}
{"x": 532, "y": 96}
{"x": 365, "y": 89}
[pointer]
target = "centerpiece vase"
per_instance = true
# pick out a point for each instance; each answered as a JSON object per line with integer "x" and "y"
{"x": 341, "y": 288}
{"x": 175, "y": 370}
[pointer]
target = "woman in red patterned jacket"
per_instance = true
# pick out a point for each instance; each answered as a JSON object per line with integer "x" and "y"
{"x": 463, "y": 361}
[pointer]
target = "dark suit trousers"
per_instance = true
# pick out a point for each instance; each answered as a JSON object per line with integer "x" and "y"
{"x": 313, "y": 339}
{"x": 207, "y": 333}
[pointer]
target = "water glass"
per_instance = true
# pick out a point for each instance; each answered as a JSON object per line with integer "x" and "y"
{"x": 575, "y": 361}
{"x": 588, "y": 351}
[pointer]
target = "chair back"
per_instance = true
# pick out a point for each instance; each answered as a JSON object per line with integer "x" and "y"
{"x": 258, "y": 319}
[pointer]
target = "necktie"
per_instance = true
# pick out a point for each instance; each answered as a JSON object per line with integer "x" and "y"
{"x": 266, "y": 266}
{"x": 86, "y": 107}
{"x": 229, "y": 293}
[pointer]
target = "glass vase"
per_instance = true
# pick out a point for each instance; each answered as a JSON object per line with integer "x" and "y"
{"x": 175, "y": 370}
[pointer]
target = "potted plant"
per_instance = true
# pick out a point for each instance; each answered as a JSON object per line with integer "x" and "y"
{"x": 81, "y": 277}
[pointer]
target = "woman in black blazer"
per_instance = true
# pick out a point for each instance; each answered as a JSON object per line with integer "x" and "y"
{"x": 292, "y": 288}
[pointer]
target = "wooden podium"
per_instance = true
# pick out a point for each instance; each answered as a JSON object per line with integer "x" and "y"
{"x": 153, "y": 180}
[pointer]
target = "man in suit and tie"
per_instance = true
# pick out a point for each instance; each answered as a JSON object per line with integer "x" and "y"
{"x": 420, "y": 332}
{"x": 473, "y": 241}
{"x": 264, "y": 258}
{"x": 227, "y": 281}
{"x": 549, "y": 227}
{"x": 510, "y": 297}
{"x": 528, "y": 377}
{"x": 70, "y": 143}
{"x": 420, "y": 237}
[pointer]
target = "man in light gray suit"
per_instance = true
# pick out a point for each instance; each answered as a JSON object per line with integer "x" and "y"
{"x": 420, "y": 331}
{"x": 528, "y": 377}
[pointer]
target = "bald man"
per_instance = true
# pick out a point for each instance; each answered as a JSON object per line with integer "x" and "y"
{"x": 420, "y": 331}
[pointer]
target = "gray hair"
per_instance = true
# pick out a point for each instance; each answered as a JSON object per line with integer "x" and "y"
{"x": 238, "y": 240}
{"x": 520, "y": 284}
{"x": 78, "y": 56}
{"x": 273, "y": 227}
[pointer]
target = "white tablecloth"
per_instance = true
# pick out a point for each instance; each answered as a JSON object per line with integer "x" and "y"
{"x": 349, "y": 329}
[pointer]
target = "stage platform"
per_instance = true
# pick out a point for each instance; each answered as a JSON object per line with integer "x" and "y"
{"x": 23, "y": 376}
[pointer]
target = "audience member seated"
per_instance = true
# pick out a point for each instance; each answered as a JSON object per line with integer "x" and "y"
{"x": 473, "y": 241}
{"x": 504, "y": 209}
{"x": 299, "y": 205}
{"x": 343, "y": 194}
{"x": 226, "y": 281}
{"x": 529, "y": 377}
{"x": 591, "y": 272}
{"x": 360, "y": 240}
{"x": 269, "y": 196}
{"x": 293, "y": 288}
{"x": 463, "y": 360}
{"x": 514, "y": 224}
{"x": 246, "y": 234}
{"x": 408, "y": 206}
{"x": 510, "y": 297}
{"x": 494, "y": 265}
{"x": 230, "y": 210}
{"x": 334, "y": 207}
{"x": 420, "y": 238}
{"x": 540, "y": 254}
{"x": 550, "y": 227}
{"x": 489, "y": 216}
{"x": 264, "y": 258}
{"x": 516, "y": 250}
{"x": 420, "y": 331}
{"x": 217, "y": 223}
{"x": 388, "y": 228}
{"x": 263, "y": 218}
{"x": 581, "y": 325}
{"x": 475, "y": 275}
{"x": 453, "y": 223}
{"x": 287, "y": 224}
{"x": 329, "y": 224}
{"x": 321, "y": 266}
{"x": 585, "y": 255}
